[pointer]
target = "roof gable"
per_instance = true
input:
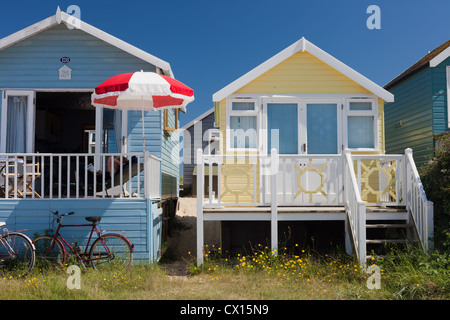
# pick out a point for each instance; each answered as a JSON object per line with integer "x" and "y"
{"x": 73, "y": 22}
{"x": 432, "y": 59}
{"x": 303, "y": 45}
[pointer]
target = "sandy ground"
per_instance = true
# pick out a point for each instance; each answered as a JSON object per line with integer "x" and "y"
{"x": 183, "y": 241}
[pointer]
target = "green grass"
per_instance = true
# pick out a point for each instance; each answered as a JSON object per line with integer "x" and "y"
{"x": 260, "y": 275}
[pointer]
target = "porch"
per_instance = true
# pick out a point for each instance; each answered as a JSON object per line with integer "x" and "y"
{"x": 363, "y": 191}
{"x": 128, "y": 198}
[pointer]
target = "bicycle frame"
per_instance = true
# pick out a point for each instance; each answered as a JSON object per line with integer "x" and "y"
{"x": 81, "y": 256}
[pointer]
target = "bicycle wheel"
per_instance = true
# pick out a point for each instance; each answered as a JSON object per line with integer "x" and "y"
{"x": 17, "y": 255}
{"x": 49, "y": 252}
{"x": 111, "y": 250}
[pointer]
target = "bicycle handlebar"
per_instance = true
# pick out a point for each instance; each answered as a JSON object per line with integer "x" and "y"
{"x": 56, "y": 213}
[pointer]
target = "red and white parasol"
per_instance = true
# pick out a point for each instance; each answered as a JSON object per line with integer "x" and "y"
{"x": 142, "y": 91}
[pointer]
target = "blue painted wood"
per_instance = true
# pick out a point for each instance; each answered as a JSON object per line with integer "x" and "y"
{"x": 409, "y": 120}
{"x": 194, "y": 138}
{"x": 138, "y": 219}
{"x": 34, "y": 62}
{"x": 439, "y": 97}
{"x": 170, "y": 166}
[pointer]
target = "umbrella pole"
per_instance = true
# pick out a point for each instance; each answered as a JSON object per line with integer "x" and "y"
{"x": 143, "y": 132}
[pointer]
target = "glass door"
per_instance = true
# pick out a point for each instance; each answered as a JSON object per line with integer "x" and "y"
{"x": 282, "y": 127}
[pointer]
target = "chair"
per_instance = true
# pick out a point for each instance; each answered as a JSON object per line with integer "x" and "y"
{"x": 30, "y": 173}
{"x": 11, "y": 172}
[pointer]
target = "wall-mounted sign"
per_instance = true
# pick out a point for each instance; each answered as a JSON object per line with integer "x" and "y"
{"x": 65, "y": 73}
{"x": 65, "y": 59}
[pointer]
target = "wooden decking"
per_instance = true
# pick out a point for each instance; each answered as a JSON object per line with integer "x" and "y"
{"x": 297, "y": 213}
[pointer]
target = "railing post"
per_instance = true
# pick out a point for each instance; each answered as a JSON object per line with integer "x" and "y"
{"x": 200, "y": 194}
{"x": 274, "y": 200}
{"x": 147, "y": 175}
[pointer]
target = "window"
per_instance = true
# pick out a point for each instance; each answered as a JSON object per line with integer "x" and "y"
{"x": 243, "y": 125}
{"x": 362, "y": 124}
{"x": 167, "y": 127}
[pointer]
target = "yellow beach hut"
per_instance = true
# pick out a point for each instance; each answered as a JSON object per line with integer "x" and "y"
{"x": 302, "y": 140}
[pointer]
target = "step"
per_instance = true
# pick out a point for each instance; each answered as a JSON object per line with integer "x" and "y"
{"x": 382, "y": 241}
{"x": 387, "y": 225}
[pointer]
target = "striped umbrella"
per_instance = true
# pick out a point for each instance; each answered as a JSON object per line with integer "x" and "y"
{"x": 144, "y": 91}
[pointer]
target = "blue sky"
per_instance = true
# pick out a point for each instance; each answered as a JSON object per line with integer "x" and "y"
{"x": 210, "y": 43}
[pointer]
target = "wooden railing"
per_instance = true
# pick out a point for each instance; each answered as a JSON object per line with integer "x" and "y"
{"x": 416, "y": 202}
{"x": 355, "y": 209}
{"x": 79, "y": 176}
{"x": 352, "y": 181}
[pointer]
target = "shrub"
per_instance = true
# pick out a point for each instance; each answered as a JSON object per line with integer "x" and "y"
{"x": 435, "y": 178}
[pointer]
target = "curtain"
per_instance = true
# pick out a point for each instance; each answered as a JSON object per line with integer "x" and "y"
{"x": 243, "y": 131}
{"x": 360, "y": 131}
{"x": 16, "y": 134}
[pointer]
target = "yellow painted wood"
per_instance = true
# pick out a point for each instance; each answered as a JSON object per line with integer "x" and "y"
{"x": 302, "y": 73}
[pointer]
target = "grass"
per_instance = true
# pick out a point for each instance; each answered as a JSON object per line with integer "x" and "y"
{"x": 260, "y": 275}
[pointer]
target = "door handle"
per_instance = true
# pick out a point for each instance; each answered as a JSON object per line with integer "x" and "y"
{"x": 304, "y": 147}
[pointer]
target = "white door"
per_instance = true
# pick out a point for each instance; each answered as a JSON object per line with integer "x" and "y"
{"x": 17, "y": 121}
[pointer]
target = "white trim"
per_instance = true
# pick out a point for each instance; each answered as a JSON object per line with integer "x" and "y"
{"x": 448, "y": 96}
{"x": 251, "y": 113}
{"x": 366, "y": 113}
{"x": 78, "y": 24}
{"x": 200, "y": 117}
{"x": 440, "y": 57}
{"x": 303, "y": 45}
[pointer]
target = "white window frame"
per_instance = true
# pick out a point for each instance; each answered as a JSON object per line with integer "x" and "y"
{"x": 242, "y": 113}
{"x": 31, "y": 97}
{"x": 366, "y": 113}
{"x": 448, "y": 96}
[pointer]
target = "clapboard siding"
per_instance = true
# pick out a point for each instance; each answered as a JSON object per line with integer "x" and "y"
{"x": 137, "y": 219}
{"x": 170, "y": 154}
{"x": 195, "y": 140}
{"x": 409, "y": 120}
{"x": 440, "y": 110}
{"x": 34, "y": 62}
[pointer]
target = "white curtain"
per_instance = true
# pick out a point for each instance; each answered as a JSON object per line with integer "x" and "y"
{"x": 243, "y": 131}
{"x": 16, "y": 135}
{"x": 360, "y": 132}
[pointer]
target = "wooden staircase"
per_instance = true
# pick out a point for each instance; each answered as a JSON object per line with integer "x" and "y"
{"x": 387, "y": 231}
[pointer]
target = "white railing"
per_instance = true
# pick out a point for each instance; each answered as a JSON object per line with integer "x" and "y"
{"x": 416, "y": 202}
{"x": 353, "y": 181}
{"x": 380, "y": 179}
{"x": 79, "y": 176}
{"x": 355, "y": 209}
{"x": 301, "y": 179}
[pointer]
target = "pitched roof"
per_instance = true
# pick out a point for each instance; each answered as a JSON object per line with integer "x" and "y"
{"x": 199, "y": 118}
{"x": 303, "y": 45}
{"x": 73, "y": 22}
{"x": 432, "y": 59}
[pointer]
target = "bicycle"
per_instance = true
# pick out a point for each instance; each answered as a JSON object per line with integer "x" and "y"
{"x": 17, "y": 252}
{"x": 109, "y": 249}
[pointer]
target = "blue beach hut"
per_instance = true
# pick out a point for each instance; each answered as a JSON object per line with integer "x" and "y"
{"x": 55, "y": 147}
